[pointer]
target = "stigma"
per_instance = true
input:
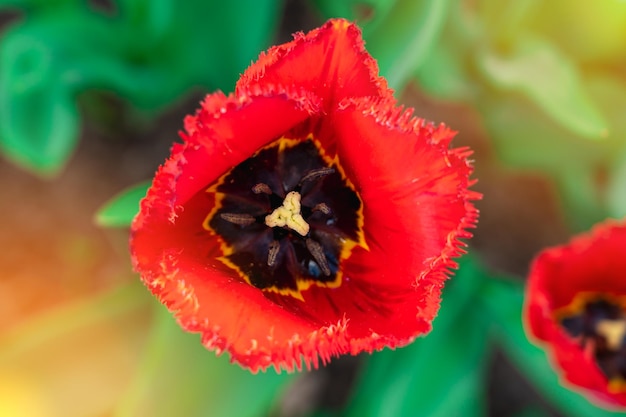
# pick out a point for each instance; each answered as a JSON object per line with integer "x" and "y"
{"x": 288, "y": 215}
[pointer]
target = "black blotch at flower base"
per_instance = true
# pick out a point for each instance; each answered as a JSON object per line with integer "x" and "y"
{"x": 287, "y": 216}
{"x": 600, "y": 326}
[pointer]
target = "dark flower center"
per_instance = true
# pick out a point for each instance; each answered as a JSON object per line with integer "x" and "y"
{"x": 599, "y": 324}
{"x": 287, "y": 216}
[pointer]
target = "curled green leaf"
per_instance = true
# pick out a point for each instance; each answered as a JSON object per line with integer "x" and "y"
{"x": 38, "y": 117}
{"x": 538, "y": 70}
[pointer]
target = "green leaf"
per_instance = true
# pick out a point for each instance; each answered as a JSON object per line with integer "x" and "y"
{"x": 121, "y": 209}
{"x": 537, "y": 69}
{"x": 610, "y": 93}
{"x": 179, "y": 377}
{"x": 405, "y": 37}
{"x": 608, "y": 90}
{"x": 503, "y": 301}
{"x": 439, "y": 375}
{"x": 38, "y": 118}
{"x": 219, "y": 39}
{"x": 444, "y": 75}
{"x": 150, "y": 54}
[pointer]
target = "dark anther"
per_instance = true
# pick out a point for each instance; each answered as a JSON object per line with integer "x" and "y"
{"x": 318, "y": 254}
{"x": 322, "y": 207}
{"x": 316, "y": 174}
{"x": 262, "y": 188}
{"x": 241, "y": 219}
{"x": 273, "y": 253}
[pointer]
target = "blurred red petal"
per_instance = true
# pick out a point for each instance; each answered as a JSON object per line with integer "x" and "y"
{"x": 591, "y": 263}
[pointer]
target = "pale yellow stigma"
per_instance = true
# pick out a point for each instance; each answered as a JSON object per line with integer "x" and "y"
{"x": 614, "y": 332}
{"x": 289, "y": 215}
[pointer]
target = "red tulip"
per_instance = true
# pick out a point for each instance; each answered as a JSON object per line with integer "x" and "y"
{"x": 576, "y": 309}
{"x": 305, "y": 216}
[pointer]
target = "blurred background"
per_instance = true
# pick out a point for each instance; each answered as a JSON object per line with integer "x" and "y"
{"x": 92, "y": 95}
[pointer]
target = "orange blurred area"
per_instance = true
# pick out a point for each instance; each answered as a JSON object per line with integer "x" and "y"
{"x": 76, "y": 322}
{"x": 52, "y": 253}
{"x": 74, "y": 317}
{"x": 65, "y": 371}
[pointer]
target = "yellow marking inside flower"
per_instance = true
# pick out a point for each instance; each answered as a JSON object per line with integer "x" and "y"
{"x": 289, "y": 215}
{"x": 347, "y": 244}
{"x": 617, "y": 386}
{"x": 577, "y": 305}
{"x": 613, "y": 331}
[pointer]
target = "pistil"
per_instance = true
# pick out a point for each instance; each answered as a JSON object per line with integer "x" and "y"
{"x": 289, "y": 215}
{"x": 613, "y": 331}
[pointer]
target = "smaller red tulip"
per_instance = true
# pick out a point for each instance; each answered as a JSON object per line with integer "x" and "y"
{"x": 576, "y": 309}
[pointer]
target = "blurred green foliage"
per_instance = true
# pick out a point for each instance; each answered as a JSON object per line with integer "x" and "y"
{"x": 437, "y": 376}
{"x": 501, "y": 300}
{"x": 444, "y": 374}
{"x": 176, "y": 368}
{"x": 149, "y": 52}
{"x": 548, "y": 79}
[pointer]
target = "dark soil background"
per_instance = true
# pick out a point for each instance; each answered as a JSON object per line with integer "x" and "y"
{"x": 53, "y": 252}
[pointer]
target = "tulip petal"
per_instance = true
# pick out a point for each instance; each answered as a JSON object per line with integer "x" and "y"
{"x": 330, "y": 61}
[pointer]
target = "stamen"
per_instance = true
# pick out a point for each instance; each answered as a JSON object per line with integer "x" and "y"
{"x": 262, "y": 188}
{"x": 289, "y": 215}
{"x": 273, "y": 253}
{"x": 321, "y": 207}
{"x": 316, "y": 174}
{"x": 241, "y": 219}
{"x": 318, "y": 254}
